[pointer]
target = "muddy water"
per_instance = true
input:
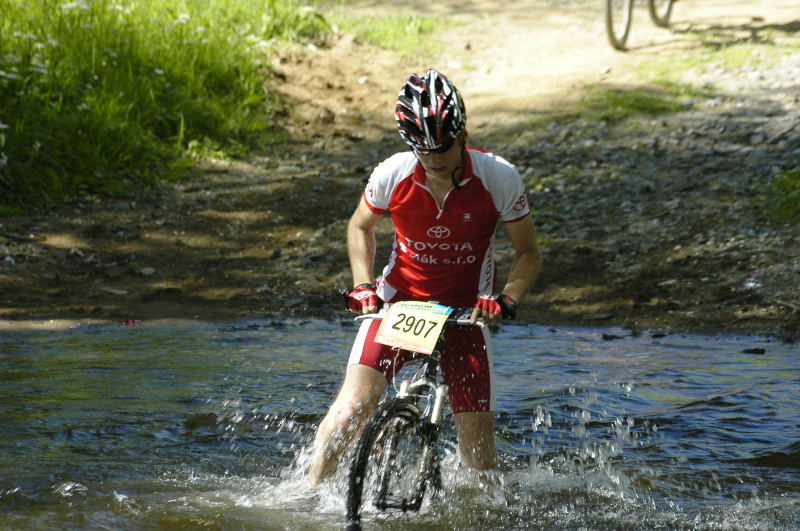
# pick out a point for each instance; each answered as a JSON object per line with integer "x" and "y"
{"x": 203, "y": 426}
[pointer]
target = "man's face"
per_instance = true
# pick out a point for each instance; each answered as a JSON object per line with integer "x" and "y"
{"x": 442, "y": 165}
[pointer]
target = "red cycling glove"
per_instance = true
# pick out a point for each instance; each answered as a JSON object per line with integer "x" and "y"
{"x": 362, "y": 296}
{"x": 502, "y": 304}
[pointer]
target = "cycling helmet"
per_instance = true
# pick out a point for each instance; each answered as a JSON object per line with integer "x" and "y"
{"x": 430, "y": 112}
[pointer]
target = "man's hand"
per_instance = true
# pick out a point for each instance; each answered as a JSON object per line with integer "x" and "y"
{"x": 494, "y": 308}
{"x": 362, "y": 299}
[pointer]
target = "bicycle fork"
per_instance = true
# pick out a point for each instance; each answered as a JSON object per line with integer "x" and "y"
{"x": 409, "y": 388}
{"x": 427, "y": 467}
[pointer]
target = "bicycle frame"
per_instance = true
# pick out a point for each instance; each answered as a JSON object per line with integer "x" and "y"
{"x": 414, "y": 413}
{"x": 425, "y": 383}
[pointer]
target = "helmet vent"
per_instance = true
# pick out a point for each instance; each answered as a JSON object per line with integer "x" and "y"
{"x": 429, "y": 111}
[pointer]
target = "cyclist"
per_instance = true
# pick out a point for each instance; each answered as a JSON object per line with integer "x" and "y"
{"x": 445, "y": 200}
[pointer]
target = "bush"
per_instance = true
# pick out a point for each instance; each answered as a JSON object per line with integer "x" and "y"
{"x": 101, "y": 96}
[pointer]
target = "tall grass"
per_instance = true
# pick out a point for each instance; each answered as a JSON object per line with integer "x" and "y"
{"x": 102, "y": 95}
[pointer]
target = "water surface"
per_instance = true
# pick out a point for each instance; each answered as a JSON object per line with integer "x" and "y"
{"x": 205, "y": 426}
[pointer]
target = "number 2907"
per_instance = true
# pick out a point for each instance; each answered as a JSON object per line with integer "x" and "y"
{"x": 413, "y": 325}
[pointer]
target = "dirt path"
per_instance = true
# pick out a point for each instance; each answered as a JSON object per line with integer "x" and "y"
{"x": 516, "y": 61}
{"x": 634, "y": 232}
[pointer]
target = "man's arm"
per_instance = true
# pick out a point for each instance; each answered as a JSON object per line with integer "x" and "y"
{"x": 524, "y": 270}
{"x": 527, "y": 261}
{"x": 361, "y": 246}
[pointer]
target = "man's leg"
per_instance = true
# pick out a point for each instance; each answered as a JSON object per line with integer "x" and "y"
{"x": 476, "y": 439}
{"x": 354, "y": 404}
{"x": 467, "y": 369}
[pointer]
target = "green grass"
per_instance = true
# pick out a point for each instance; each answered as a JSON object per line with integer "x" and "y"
{"x": 407, "y": 34}
{"x": 100, "y": 96}
{"x": 616, "y": 105}
{"x": 734, "y": 55}
{"x": 718, "y": 48}
{"x": 667, "y": 90}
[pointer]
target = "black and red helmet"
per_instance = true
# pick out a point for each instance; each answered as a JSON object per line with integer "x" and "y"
{"x": 430, "y": 112}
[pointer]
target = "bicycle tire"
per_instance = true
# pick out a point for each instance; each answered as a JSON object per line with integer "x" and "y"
{"x": 660, "y": 11}
{"x": 396, "y": 439}
{"x": 619, "y": 15}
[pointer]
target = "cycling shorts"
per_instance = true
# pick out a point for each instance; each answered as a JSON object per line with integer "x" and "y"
{"x": 466, "y": 363}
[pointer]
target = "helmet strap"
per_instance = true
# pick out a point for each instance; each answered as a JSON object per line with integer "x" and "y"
{"x": 463, "y": 158}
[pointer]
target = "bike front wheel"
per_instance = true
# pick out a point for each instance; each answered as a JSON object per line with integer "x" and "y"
{"x": 660, "y": 11}
{"x": 619, "y": 14}
{"x": 396, "y": 459}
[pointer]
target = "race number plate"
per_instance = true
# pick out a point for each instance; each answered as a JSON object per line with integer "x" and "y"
{"x": 413, "y": 325}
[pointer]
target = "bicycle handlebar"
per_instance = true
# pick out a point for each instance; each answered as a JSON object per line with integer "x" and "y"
{"x": 463, "y": 316}
{"x": 459, "y": 316}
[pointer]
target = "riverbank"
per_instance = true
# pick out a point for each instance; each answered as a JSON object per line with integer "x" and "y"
{"x": 647, "y": 220}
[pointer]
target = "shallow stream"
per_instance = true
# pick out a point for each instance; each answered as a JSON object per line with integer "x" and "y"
{"x": 135, "y": 426}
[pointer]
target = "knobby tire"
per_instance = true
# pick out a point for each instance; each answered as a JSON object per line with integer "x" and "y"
{"x": 619, "y": 15}
{"x": 394, "y": 422}
{"x": 660, "y": 11}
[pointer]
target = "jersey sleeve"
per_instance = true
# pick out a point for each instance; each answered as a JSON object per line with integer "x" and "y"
{"x": 514, "y": 201}
{"x": 384, "y": 178}
{"x": 376, "y": 192}
{"x": 372, "y": 199}
{"x": 504, "y": 183}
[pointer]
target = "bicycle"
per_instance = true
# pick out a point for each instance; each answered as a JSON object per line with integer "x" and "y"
{"x": 619, "y": 15}
{"x": 397, "y": 457}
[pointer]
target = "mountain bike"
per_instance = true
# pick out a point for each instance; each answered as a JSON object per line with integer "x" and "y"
{"x": 397, "y": 457}
{"x": 619, "y": 15}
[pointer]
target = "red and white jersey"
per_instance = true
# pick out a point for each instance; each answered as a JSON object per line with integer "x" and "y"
{"x": 445, "y": 255}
